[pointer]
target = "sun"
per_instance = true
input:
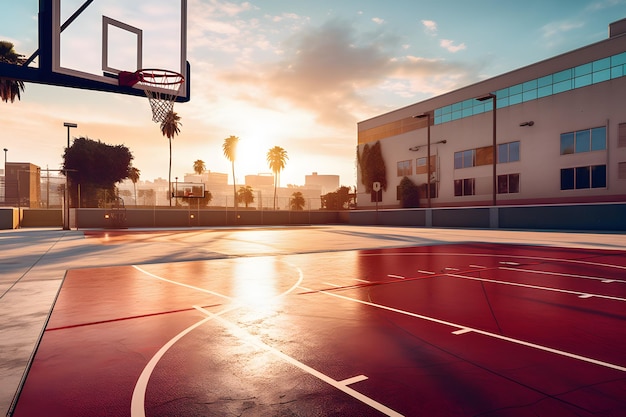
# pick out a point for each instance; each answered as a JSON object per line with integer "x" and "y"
{"x": 251, "y": 156}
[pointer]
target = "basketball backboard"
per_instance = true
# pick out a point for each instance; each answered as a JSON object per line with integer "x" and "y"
{"x": 86, "y": 43}
{"x": 188, "y": 189}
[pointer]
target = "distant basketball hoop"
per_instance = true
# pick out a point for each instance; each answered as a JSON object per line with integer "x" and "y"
{"x": 161, "y": 87}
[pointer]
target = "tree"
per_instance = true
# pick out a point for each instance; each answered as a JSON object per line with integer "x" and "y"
{"x": 230, "y": 152}
{"x": 199, "y": 167}
{"x": 170, "y": 127}
{"x": 409, "y": 193}
{"x": 96, "y": 167}
{"x": 245, "y": 195}
{"x": 133, "y": 175}
{"x": 10, "y": 88}
{"x": 337, "y": 200}
{"x": 297, "y": 201}
{"x": 372, "y": 166}
{"x": 277, "y": 159}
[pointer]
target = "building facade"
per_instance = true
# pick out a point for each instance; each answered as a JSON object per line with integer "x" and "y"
{"x": 560, "y": 136}
{"x": 22, "y": 185}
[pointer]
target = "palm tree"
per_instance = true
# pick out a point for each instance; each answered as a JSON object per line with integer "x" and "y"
{"x": 199, "y": 167}
{"x": 277, "y": 159}
{"x": 230, "y": 152}
{"x": 297, "y": 201}
{"x": 133, "y": 175}
{"x": 170, "y": 127}
{"x": 245, "y": 195}
{"x": 9, "y": 87}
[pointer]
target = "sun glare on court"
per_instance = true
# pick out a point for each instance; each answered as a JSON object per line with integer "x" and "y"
{"x": 255, "y": 283}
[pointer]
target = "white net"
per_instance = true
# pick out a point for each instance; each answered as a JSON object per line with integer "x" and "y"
{"x": 161, "y": 87}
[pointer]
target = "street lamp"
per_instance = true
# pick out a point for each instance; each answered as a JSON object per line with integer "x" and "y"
{"x": 492, "y": 97}
{"x": 427, "y": 116}
{"x": 66, "y": 220}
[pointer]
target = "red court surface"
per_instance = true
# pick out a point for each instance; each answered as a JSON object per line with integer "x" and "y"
{"x": 446, "y": 330}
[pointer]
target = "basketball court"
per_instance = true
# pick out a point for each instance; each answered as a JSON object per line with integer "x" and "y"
{"x": 446, "y": 329}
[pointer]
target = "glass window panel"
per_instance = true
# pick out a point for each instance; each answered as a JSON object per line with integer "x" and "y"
{"x": 516, "y": 99}
{"x": 468, "y": 112}
{"x": 478, "y": 108}
{"x": 567, "y": 143}
{"x": 421, "y": 162}
{"x": 516, "y": 89}
{"x": 513, "y": 151}
{"x": 619, "y": 59}
{"x": 544, "y": 81}
{"x": 457, "y": 107}
{"x": 583, "y": 81}
{"x": 562, "y": 76}
{"x": 601, "y": 76}
{"x": 458, "y": 188}
{"x": 567, "y": 179}
{"x": 503, "y": 184}
{"x": 468, "y": 186}
{"x": 502, "y": 93}
{"x": 582, "y": 70}
{"x": 598, "y": 138}
{"x": 438, "y": 120}
{"x": 529, "y": 95}
{"x": 544, "y": 91}
{"x": 583, "y": 141}
{"x": 468, "y": 104}
{"x": 582, "y": 177}
{"x": 457, "y": 115}
{"x": 601, "y": 64}
{"x": 598, "y": 176}
{"x": 438, "y": 112}
{"x": 469, "y": 159}
{"x": 446, "y": 118}
{"x": 446, "y": 110}
{"x": 529, "y": 85}
{"x": 617, "y": 72}
{"x": 500, "y": 103}
{"x": 514, "y": 183}
{"x": 503, "y": 153}
{"x": 458, "y": 160}
{"x": 562, "y": 86}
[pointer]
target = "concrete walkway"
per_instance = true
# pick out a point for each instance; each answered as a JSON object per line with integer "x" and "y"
{"x": 33, "y": 263}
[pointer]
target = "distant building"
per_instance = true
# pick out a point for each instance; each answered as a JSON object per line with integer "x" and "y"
{"x": 22, "y": 184}
{"x": 260, "y": 180}
{"x": 560, "y": 133}
{"x": 326, "y": 183}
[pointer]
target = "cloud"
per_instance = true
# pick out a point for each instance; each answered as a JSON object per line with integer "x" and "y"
{"x": 554, "y": 29}
{"x": 430, "y": 27}
{"x": 450, "y": 46}
{"x": 378, "y": 20}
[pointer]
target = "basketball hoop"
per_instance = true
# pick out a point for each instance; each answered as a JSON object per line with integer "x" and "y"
{"x": 161, "y": 87}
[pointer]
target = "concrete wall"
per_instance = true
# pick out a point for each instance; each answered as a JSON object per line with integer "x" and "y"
{"x": 9, "y": 218}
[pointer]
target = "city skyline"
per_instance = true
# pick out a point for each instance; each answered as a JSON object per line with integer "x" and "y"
{"x": 299, "y": 76}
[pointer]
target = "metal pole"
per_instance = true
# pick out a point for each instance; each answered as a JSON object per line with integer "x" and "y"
{"x": 495, "y": 153}
{"x": 66, "y": 220}
{"x": 428, "y": 159}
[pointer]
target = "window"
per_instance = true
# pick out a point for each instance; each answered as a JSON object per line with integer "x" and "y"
{"x": 621, "y": 141}
{"x": 508, "y": 152}
{"x": 421, "y": 162}
{"x": 583, "y": 177}
{"x": 584, "y": 141}
{"x": 508, "y": 184}
{"x": 465, "y": 159}
{"x": 464, "y": 187}
{"x": 405, "y": 168}
{"x": 621, "y": 170}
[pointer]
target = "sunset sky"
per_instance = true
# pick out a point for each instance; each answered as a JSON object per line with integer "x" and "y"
{"x": 297, "y": 74}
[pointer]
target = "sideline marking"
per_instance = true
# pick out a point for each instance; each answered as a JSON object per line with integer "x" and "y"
{"x": 537, "y": 287}
{"x": 462, "y": 331}
{"x": 562, "y": 274}
{"x": 482, "y": 332}
{"x": 478, "y": 266}
{"x": 331, "y": 284}
{"x": 396, "y": 276}
{"x": 340, "y": 385}
{"x": 353, "y": 380}
{"x": 361, "y": 280}
{"x": 421, "y": 271}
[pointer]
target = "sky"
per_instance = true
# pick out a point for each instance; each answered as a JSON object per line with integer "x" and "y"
{"x": 296, "y": 74}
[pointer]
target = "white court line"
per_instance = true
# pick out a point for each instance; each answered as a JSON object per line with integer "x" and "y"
{"x": 361, "y": 280}
{"x": 353, "y": 380}
{"x": 331, "y": 284}
{"x": 421, "y": 271}
{"x": 536, "y": 287}
{"x": 585, "y": 296}
{"x": 562, "y": 274}
{"x": 482, "y": 332}
{"x": 396, "y": 276}
{"x": 181, "y": 284}
{"x": 340, "y": 385}
{"x": 462, "y": 331}
{"x": 478, "y": 266}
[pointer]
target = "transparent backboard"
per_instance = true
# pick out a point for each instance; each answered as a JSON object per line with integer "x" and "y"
{"x": 188, "y": 190}
{"x": 95, "y": 40}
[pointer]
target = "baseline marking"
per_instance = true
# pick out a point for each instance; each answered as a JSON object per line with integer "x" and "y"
{"x": 562, "y": 274}
{"x": 340, "y": 385}
{"x": 353, "y": 380}
{"x": 482, "y": 332}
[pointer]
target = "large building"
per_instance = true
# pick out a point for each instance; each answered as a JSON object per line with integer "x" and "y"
{"x": 560, "y": 136}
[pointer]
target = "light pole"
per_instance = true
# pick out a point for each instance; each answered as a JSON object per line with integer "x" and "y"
{"x": 66, "y": 219}
{"x": 427, "y": 116}
{"x": 495, "y": 156}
